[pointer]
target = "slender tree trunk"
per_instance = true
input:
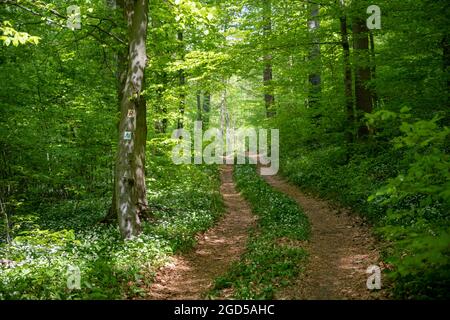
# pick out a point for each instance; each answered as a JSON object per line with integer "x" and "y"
{"x": 362, "y": 73}
{"x": 121, "y": 76}
{"x": 314, "y": 56}
{"x": 161, "y": 110}
{"x": 182, "y": 81}
{"x": 446, "y": 60}
{"x": 373, "y": 68}
{"x": 141, "y": 142}
{"x": 199, "y": 106}
{"x": 224, "y": 118}
{"x": 348, "y": 80}
{"x": 130, "y": 162}
{"x": 160, "y": 123}
{"x": 5, "y": 215}
{"x": 269, "y": 98}
{"x": 206, "y": 108}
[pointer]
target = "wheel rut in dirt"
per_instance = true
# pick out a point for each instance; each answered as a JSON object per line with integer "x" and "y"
{"x": 189, "y": 275}
{"x": 340, "y": 249}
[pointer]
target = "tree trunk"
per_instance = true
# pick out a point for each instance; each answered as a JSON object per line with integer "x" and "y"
{"x": 182, "y": 81}
{"x": 348, "y": 80}
{"x": 206, "y": 108}
{"x": 269, "y": 98}
{"x": 130, "y": 189}
{"x": 161, "y": 123}
{"x": 224, "y": 117}
{"x": 373, "y": 68}
{"x": 199, "y": 106}
{"x": 362, "y": 73}
{"x": 314, "y": 56}
{"x": 446, "y": 60}
{"x": 121, "y": 76}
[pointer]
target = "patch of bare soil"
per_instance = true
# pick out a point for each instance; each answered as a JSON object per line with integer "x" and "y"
{"x": 189, "y": 275}
{"x": 340, "y": 249}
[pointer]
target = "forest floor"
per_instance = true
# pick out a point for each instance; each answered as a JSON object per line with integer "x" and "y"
{"x": 190, "y": 275}
{"x": 340, "y": 250}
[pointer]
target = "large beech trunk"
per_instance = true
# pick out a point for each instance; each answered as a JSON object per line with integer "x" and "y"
{"x": 130, "y": 190}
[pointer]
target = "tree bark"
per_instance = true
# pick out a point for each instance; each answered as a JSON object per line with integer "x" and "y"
{"x": 161, "y": 124}
{"x": 348, "y": 80}
{"x": 314, "y": 56}
{"x": 362, "y": 73}
{"x": 121, "y": 76}
{"x": 224, "y": 117}
{"x": 373, "y": 68}
{"x": 182, "y": 81}
{"x": 199, "y": 106}
{"x": 130, "y": 191}
{"x": 206, "y": 108}
{"x": 446, "y": 60}
{"x": 269, "y": 98}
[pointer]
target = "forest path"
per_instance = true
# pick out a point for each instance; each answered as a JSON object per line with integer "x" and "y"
{"x": 340, "y": 249}
{"x": 190, "y": 275}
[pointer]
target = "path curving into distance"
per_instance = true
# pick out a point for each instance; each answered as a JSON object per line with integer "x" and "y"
{"x": 340, "y": 249}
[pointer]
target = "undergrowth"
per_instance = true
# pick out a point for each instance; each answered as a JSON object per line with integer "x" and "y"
{"x": 402, "y": 187}
{"x": 54, "y": 238}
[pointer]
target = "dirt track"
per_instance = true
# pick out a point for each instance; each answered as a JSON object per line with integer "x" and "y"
{"x": 188, "y": 276}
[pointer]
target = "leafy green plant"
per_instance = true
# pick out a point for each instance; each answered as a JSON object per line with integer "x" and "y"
{"x": 418, "y": 203}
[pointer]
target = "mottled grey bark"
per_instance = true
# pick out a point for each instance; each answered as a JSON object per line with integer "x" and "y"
{"x": 121, "y": 75}
{"x": 130, "y": 198}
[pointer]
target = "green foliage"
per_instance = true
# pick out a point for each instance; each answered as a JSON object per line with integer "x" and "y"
{"x": 269, "y": 262}
{"x": 42, "y": 259}
{"x": 403, "y": 191}
{"x": 12, "y": 36}
{"x": 184, "y": 197}
{"x": 184, "y": 201}
{"x": 350, "y": 183}
{"x": 58, "y": 118}
{"x": 417, "y": 206}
